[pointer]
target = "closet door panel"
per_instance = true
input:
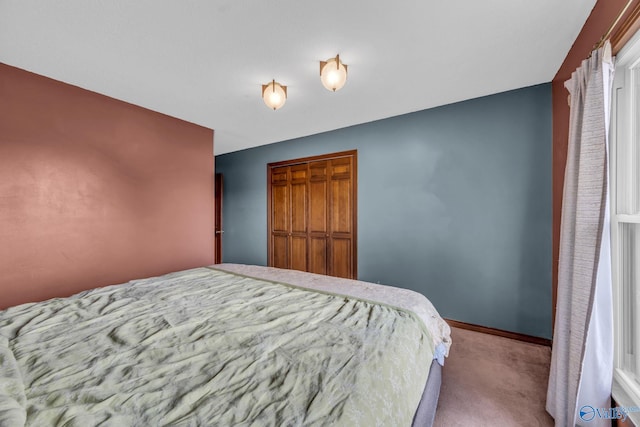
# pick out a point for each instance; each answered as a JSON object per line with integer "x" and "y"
{"x": 280, "y": 208}
{"x": 298, "y": 253}
{"x": 299, "y": 208}
{"x": 341, "y": 265}
{"x": 341, "y": 213}
{"x": 340, "y": 205}
{"x": 318, "y": 207}
{"x": 279, "y": 252}
{"x": 318, "y": 255}
{"x": 318, "y": 197}
{"x": 299, "y": 199}
{"x": 341, "y": 168}
{"x": 280, "y": 175}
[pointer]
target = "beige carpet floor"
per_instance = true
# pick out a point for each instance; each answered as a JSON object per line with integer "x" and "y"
{"x": 493, "y": 381}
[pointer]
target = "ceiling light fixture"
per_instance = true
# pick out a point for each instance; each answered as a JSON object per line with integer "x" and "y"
{"x": 333, "y": 73}
{"x": 274, "y": 95}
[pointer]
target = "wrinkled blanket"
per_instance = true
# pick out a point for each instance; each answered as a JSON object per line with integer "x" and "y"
{"x": 207, "y": 347}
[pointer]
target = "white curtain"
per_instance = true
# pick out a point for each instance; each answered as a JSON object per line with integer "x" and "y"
{"x": 582, "y": 355}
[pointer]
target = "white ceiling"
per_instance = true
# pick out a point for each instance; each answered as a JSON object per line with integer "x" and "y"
{"x": 205, "y": 61}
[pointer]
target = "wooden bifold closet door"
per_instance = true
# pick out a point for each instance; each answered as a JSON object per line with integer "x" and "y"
{"x": 312, "y": 214}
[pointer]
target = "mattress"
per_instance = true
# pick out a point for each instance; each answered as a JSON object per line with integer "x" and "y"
{"x": 211, "y": 346}
{"x": 410, "y": 300}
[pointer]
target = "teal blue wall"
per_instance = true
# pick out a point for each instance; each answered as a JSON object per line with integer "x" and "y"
{"x": 453, "y": 202}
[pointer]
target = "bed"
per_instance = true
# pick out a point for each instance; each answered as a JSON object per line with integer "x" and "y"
{"x": 224, "y": 345}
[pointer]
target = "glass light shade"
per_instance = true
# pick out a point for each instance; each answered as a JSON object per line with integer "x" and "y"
{"x": 333, "y": 73}
{"x": 274, "y": 95}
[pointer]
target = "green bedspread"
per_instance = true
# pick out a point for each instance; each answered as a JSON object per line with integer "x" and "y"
{"x": 205, "y": 347}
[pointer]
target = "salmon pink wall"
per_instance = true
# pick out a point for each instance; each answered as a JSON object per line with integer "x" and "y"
{"x": 95, "y": 191}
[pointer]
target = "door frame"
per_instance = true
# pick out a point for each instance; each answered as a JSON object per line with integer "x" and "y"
{"x": 329, "y": 156}
{"x": 217, "y": 224}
